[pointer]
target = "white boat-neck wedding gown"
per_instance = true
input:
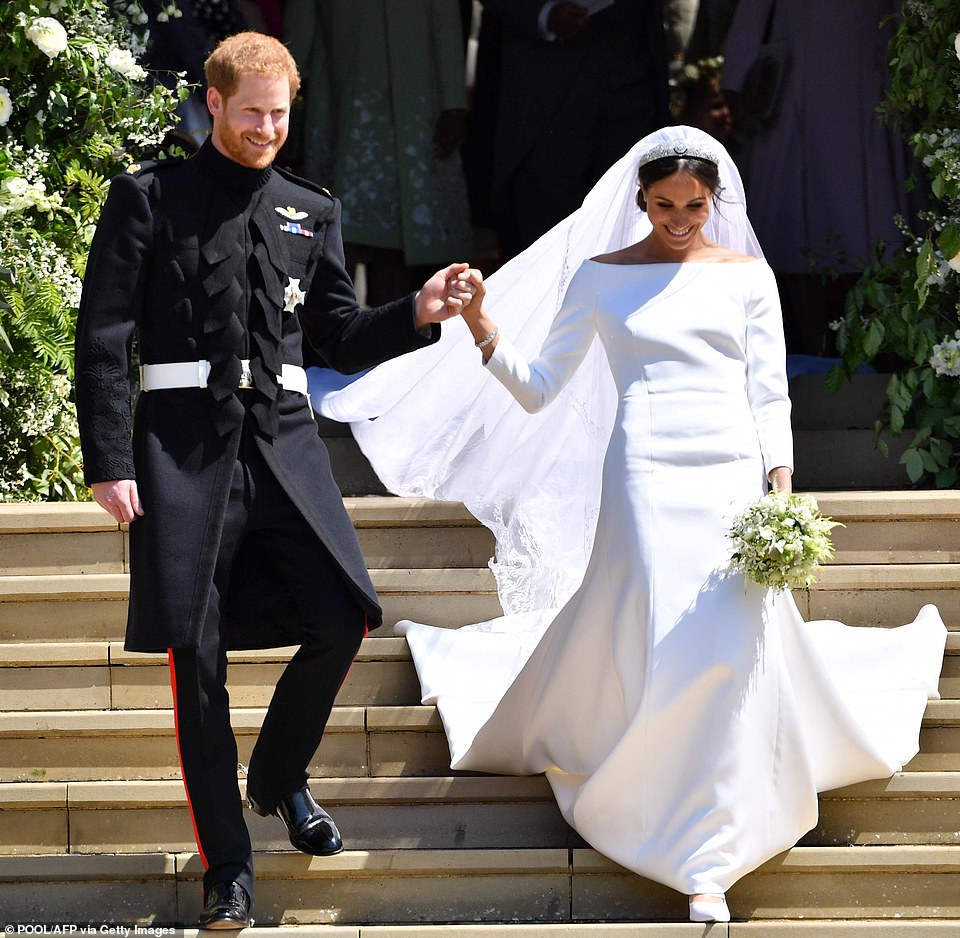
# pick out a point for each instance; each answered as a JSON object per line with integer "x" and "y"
{"x": 684, "y": 718}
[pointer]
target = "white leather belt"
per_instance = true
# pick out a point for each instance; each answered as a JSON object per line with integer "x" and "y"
{"x": 194, "y": 375}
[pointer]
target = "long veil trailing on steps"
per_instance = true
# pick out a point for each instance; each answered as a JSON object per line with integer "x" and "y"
{"x": 435, "y": 424}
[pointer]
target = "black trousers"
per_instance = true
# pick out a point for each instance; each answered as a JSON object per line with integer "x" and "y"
{"x": 333, "y": 627}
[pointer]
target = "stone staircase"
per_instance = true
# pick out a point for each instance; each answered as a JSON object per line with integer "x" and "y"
{"x": 93, "y": 820}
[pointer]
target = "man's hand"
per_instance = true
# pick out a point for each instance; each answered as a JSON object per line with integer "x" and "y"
{"x": 565, "y": 20}
{"x": 444, "y": 295}
{"x": 119, "y": 498}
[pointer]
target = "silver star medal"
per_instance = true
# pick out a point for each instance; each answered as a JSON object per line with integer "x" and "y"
{"x": 293, "y": 296}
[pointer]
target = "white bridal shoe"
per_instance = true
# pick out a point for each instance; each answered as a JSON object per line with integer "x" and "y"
{"x": 709, "y": 908}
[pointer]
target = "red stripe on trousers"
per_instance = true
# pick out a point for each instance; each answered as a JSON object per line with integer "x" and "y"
{"x": 176, "y": 727}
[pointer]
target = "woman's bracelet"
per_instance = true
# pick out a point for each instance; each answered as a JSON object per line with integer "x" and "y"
{"x": 484, "y": 342}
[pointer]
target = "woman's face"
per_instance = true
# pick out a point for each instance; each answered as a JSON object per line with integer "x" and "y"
{"x": 678, "y": 206}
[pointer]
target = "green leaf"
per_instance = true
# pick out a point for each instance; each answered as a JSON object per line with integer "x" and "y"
{"x": 914, "y": 464}
{"x": 946, "y": 478}
{"x": 942, "y": 452}
{"x": 949, "y": 241}
{"x": 929, "y": 463}
{"x": 926, "y": 266}
{"x": 873, "y": 339}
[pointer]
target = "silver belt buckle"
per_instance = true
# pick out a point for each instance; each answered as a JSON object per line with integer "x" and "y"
{"x": 246, "y": 375}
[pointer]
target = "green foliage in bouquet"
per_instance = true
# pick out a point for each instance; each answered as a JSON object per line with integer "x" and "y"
{"x": 75, "y": 110}
{"x": 906, "y": 309}
{"x": 780, "y": 540}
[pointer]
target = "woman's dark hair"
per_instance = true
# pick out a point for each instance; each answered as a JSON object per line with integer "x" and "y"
{"x": 704, "y": 170}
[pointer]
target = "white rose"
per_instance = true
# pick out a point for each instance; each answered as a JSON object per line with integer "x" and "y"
{"x": 6, "y": 106}
{"x": 123, "y": 63}
{"x": 16, "y": 185}
{"x": 956, "y": 44}
{"x": 954, "y": 263}
{"x": 48, "y": 36}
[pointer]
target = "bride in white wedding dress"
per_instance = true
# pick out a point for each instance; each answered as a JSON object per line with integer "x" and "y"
{"x": 685, "y": 718}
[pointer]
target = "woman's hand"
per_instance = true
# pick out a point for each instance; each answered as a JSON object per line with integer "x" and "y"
{"x": 481, "y": 326}
{"x": 781, "y": 478}
{"x": 472, "y": 282}
{"x": 443, "y": 295}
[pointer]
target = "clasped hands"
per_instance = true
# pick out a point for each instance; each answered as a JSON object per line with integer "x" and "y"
{"x": 456, "y": 291}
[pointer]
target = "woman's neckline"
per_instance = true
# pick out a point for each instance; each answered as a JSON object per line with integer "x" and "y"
{"x": 717, "y": 263}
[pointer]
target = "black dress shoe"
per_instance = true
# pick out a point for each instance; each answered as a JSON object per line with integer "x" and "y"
{"x": 310, "y": 828}
{"x": 227, "y": 906}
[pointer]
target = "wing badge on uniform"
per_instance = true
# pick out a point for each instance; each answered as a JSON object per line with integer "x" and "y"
{"x": 290, "y": 212}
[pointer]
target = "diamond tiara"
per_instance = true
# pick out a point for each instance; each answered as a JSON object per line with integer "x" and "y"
{"x": 678, "y": 150}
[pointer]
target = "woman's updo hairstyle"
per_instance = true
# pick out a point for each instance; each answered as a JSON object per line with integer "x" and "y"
{"x": 699, "y": 167}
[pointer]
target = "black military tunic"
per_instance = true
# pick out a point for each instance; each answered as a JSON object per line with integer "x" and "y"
{"x": 203, "y": 258}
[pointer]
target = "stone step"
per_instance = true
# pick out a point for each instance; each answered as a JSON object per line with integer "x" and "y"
{"x": 539, "y": 886}
{"x": 443, "y": 812}
{"x": 43, "y": 539}
{"x": 60, "y": 608}
{"x": 94, "y": 606}
{"x": 101, "y": 676}
{"x": 407, "y": 741}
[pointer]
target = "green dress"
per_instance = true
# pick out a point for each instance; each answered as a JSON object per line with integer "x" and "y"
{"x": 377, "y": 75}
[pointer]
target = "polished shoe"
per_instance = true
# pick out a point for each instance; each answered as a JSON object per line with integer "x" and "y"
{"x": 709, "y": 908}
{"x": 310, "y": 828}
{"x": 227, "y": 906}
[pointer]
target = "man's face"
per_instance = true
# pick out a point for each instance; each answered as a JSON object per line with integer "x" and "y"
{"x": 250, "y": 125}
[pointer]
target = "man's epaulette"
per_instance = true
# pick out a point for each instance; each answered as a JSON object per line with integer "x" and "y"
{"x": 300, "y": 181}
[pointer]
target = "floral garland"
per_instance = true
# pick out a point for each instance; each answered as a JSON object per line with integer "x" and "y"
{"x": 76, "y": 108}
{"x": 906, "y": 309}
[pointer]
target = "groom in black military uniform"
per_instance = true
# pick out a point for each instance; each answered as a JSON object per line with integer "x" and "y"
{"x": 222, "y": 264}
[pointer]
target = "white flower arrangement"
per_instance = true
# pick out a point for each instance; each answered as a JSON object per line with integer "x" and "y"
{"x": 6, "y": 106}
{"x": 123, "y": 63}
{"x": 48, "y": 35}
{"x": 780, "y": 540}
{"x": 945, "y": 359}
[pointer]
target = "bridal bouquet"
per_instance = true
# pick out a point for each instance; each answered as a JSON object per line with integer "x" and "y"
{"x": 780, "y": 540}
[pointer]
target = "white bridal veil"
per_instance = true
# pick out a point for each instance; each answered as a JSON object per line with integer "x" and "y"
{"x": 434, "y": 423}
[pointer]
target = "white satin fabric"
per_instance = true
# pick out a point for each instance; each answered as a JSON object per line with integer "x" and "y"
{"x": 685, "y": 719}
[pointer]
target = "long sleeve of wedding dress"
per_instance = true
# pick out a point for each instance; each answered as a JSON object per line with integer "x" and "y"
{"x": 537, "y": 383}
{"x": 766, "y": 377}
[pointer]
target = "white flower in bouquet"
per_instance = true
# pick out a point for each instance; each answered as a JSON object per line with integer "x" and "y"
{"x": 956, "y": 44}
{"x": 6, "y": 106}
{"x": 48, "y": 35}
{"x": 780, "y": 540}
{"x": 123, "y": 63}
{"x": 954, "y": 263}
{"x": 945, "y": 359}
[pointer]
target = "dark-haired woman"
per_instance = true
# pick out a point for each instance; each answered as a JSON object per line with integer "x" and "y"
{"x": 684, "y": 719}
